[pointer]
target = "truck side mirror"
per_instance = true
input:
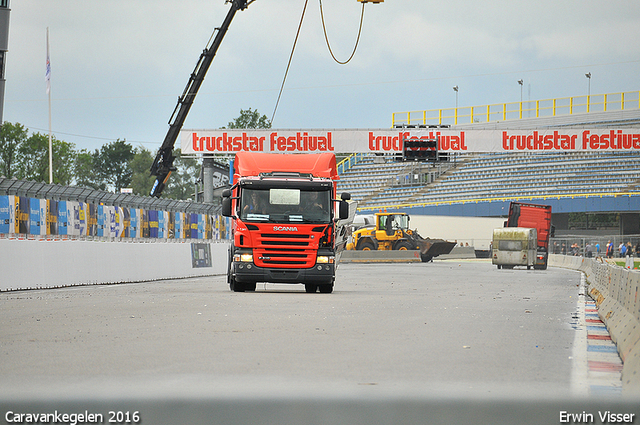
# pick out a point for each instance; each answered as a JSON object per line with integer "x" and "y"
{"x": 226, "y": 207}
{"x": 226, "y": 193}
{"x": 343, "y": 210}
{"x": 345, "y": 196}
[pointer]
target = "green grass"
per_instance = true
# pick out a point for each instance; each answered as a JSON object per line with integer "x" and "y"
{"x": 636, "y": 264}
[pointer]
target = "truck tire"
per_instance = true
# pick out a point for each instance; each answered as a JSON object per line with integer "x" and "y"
{"x": 326, "y": 289}
{"x": 236, "y": 286}
{"x": 311, "y": 288}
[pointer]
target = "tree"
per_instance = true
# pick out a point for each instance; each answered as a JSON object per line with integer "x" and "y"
{"x": 112, "y": 165}
{"x": 141, "y": 180}
{"x": 11, "y": 137}
{"x": 250, "y": 119}
{"x": 32, "y": 159}
{"x": 84, "y": 170}
{"x": 181, "y": 184}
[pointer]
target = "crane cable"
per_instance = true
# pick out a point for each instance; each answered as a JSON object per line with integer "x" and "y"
{"x": 324, "y": 28}
{"x": 290, "y": 58}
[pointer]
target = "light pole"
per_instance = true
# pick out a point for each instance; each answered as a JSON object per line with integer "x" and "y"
{"x": 521, "y": 82}
{"x": 455, "y": 89}
{"x": 588, "y": 75}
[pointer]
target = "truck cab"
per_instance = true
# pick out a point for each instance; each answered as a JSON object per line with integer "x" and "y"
{"x": 287, "y": 224}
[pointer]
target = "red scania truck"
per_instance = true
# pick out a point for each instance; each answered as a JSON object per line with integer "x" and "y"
{"x": 288, "y": 225}
{"x": 536, "y": 217}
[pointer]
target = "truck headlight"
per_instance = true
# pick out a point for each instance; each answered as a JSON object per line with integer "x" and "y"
{"x": 244, "y": 258}
{"x": 325, "y": 259}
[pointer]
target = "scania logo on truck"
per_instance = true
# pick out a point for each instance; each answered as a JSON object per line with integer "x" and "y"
{"x": 285, "y": 229}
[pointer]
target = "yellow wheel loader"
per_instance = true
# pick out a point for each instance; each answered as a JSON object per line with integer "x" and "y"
{"x": 391, "y": 232}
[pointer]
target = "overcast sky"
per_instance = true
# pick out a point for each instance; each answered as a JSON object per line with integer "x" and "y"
{"x": 118, "y": 67}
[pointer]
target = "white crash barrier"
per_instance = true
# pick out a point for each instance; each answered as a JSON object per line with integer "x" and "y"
{"x": 32, "y": 264}
{"x": 616, "y": 291}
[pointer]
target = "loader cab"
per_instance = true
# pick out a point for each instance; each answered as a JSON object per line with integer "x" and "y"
{"x": 388, "y": 224}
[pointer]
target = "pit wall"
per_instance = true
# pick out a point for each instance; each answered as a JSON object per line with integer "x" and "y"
{"x": 616, "y": 291}
{"x": 34, "y": 264}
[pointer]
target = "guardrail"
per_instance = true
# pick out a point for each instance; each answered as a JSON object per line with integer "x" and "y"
{"x": 616, "y": 292}
{"x": 519, "y": 110}
{"x": 33, "y": 210}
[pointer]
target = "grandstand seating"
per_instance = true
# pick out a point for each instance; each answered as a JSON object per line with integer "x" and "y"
{"x": 491, "y": 175}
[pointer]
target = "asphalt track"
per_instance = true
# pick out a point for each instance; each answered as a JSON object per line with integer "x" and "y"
{"x": 458, "y": 326}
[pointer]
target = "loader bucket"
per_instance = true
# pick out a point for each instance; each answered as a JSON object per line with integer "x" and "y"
{"x": 434, "y": 247}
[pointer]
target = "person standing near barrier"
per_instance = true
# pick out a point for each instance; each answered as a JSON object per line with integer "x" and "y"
{"x": 610, "y": 249}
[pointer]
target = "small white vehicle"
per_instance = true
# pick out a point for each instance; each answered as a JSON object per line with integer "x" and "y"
{"x": 514, "y": 246}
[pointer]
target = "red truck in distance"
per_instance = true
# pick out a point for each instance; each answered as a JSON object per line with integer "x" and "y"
{"x": 288, "y": 225}
{"x": 536, "y": 217}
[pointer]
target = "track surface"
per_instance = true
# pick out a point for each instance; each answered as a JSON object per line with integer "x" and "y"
{"x": 444, "y": 325}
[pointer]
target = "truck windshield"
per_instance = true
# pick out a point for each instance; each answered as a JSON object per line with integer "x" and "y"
{"x": 285, "y": 205}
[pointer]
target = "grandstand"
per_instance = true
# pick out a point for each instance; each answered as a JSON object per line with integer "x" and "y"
{"x": 381, "y": 181}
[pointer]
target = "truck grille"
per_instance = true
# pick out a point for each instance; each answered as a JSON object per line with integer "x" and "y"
{"x": 285, "y": 250}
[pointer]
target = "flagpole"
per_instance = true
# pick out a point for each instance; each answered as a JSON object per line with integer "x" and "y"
{"x": 48, "y": 77}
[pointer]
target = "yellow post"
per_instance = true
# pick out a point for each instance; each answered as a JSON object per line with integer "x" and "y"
{"x": 520, "y": 109}
{"x": 605, "y": 103}
{"x": 537, "y": 108}
{"x": 622, "y": 101}
{"x": 504, "y": 112}
{"x": 571, "y": 106}
{"x": 424, "y": 117}
{"x": 554, "y": 108}
{"x": 440, "y": 117}
{"x": 488, "y": 113}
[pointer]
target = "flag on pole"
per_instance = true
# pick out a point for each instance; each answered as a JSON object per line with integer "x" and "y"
{"x": 47, "y": 75}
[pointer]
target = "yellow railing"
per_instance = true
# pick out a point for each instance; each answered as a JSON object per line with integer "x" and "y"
{"x": 519, "y": 110}
{"x": 501, "y": 199}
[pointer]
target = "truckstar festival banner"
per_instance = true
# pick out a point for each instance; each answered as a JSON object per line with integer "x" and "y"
{"x": 390, "y": 140}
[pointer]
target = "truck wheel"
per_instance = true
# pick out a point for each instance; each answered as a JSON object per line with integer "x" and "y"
{"x": 366, "y": 245}
{"x": 310, "y": 288}
{"x": 236, "y": 286}
{"x": 402, "y": 246}
{"x": 326, "y": 289}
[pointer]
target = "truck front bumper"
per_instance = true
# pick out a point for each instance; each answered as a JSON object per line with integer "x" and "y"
{"x": 320, "y": 274}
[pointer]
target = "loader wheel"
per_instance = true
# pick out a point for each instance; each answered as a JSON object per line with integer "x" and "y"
{"x": 366, "y": 245}
{"x": 402, "y": 246}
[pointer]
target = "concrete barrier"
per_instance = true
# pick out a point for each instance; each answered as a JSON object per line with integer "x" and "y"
{"x": 616, "y": 292}
{"x": 31, "y": 264}
{"x": 380, "y": 257}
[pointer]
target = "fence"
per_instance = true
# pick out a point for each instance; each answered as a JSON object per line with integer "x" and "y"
{"x": 520, "y": 110}
{"x": 32, "y": 210}
{"x": 593, "y": 246}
